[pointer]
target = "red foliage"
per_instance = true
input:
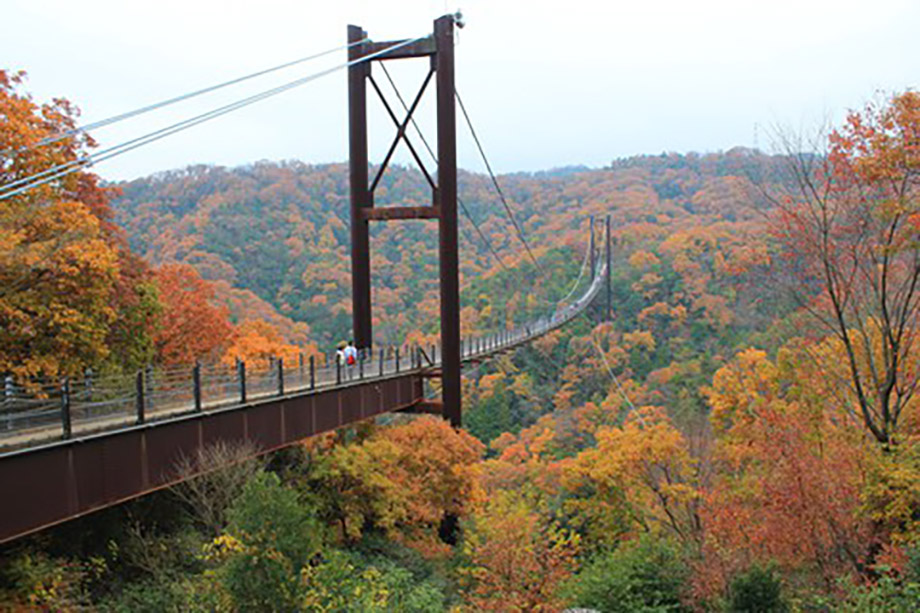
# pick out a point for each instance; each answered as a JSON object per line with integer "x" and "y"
{"x": 192, "y": 326}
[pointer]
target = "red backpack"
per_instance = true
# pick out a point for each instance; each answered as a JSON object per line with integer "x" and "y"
{"x": 350, "y": 359}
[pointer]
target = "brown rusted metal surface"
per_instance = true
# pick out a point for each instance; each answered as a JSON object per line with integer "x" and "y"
{"x": 426, "y": 406}
{"x": 361, "y": 197}
{"x": 440, "y": 46}
{"x": 53, "y": 483}
{"x": 401, "y": 212}
{"x": 401, "y": 132}
{"x": 447, "y": 222}
{"x": 419, "y": 48}
{"x": 609, "y": 314}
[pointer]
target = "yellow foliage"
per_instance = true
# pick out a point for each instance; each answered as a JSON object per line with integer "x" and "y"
{"x": 57, "y": 274}
{"x": 641, "y": 260}
{"x": 641, "y": 339}
{"x": 738, "y": 387}
{"x": 487, "y": 384}
{"x": 647, "y": 472}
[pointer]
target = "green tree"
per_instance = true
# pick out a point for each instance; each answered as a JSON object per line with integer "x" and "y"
{"x": 758, "y": 590}
{"x": 272, "y": 535}
{"x": 646, "y": 576}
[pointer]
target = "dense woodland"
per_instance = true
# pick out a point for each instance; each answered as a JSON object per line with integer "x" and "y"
{"x": 740, "y": 436}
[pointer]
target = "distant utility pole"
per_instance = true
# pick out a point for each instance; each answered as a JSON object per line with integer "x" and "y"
{"x": 439, "y": 48}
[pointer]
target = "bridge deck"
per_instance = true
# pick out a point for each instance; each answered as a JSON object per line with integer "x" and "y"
{"x": 110, "y": 457}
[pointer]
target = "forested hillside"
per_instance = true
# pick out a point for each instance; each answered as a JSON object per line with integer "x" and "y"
{"x": 281, "y": 232}
{"x": 690, "y": 260}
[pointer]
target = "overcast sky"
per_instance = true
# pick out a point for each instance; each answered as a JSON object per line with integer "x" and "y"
{"x": 548, "y": 84}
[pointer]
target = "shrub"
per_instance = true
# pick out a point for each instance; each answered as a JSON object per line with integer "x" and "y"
{"x": 757, "y": 590}
{"x": 645, "y": 576}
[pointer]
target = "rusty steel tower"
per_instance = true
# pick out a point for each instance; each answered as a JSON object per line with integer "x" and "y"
{"x": 439, "y": 49}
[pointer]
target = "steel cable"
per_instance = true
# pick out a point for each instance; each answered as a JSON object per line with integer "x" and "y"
{"x": 466, "y": 211}
{"x": 170, "y": 101}
{"x": 93, "y": 159}
{"x": 498, "y": 188}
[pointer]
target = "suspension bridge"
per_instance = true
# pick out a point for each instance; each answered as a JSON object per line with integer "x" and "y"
{"x": 71, "y": 447}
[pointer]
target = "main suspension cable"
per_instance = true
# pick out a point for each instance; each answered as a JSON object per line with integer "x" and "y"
{"x": 170, "y": 101}
{"x": 581, "y": 272}
{"x": 61, "y": 170}
{"x": 498, "y": 188}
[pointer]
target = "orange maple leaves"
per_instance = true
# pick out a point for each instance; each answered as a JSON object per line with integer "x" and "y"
{"x": 192, "y": 326}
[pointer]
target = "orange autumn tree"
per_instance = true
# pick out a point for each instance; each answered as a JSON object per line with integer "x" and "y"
{"x": 58, "y": 265}
{"x": 57, "y": 275}
{"x": 255, "y": 339}
{"x": 517, "y": 555}
{"x": 403, "y": 479}
{"x": 192, "y": 326}
{"x": 849, "y": 231}
{"x": 789, "y": 469}
{"x": 640, "y": 477}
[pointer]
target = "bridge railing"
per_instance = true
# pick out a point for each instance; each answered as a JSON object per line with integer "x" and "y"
{"x": 41, "y": 411}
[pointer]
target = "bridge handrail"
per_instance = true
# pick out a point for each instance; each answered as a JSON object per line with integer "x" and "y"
{"x": 44, "y": 411}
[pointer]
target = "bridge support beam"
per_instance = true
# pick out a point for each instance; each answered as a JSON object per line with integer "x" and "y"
{"x": 56, "y": 482}
{"x": 591, "y": 247}
{"x": 609, "y": 274}
{"x": 447, "y": 223}
{"x": 440, "y": 49}
{"x": 361, "y": 196}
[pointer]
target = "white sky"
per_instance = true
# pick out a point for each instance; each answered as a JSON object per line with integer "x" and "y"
{"x": 547, "y": 83}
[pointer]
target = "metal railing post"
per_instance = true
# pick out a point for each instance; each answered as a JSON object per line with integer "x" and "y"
{"x": 338, "y": 371}
{"x": 381, "y": 362}
{"x": 312, "y": 373}
{"x": 241, "y": 373}
{"x": 65, "y": 408}
{"x": 361, "y": 364}
{"x": 149, "y": 384}
{"x": 88, "y": 384}
{"x": 139, "y": 396}
{"x": 196, "y": 384}
{"x": 434, "y": 352}
{"x": 397, "y": 359}
{"x": 300, "y": 360}
{"x": 281, "y": 376}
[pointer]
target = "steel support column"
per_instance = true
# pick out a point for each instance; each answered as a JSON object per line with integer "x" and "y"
{"x": 440, "y": 49}
{"x": 361, "y": 197}
{"x": 609, "y": 275}
{"x": 447, "y": 223}
{"x": 591, "y": 248}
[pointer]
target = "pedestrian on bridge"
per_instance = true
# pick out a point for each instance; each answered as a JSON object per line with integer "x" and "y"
{"x": 351, "y": 358}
